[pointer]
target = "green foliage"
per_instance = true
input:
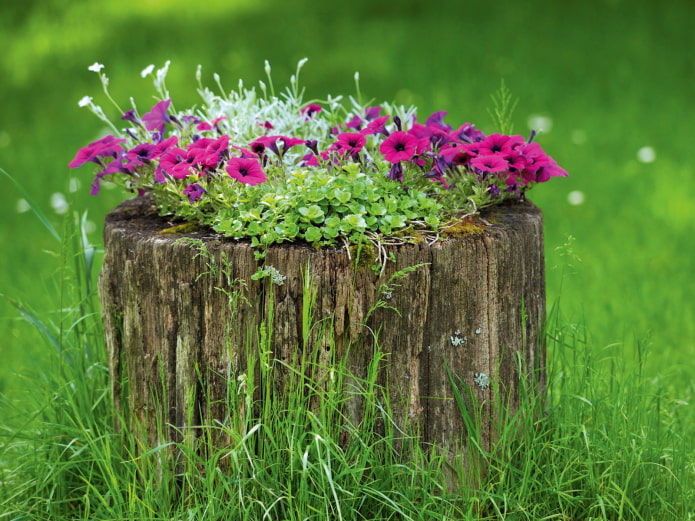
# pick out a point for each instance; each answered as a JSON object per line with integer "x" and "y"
{"x": 601, "y": 443}
{"x": 645, "y": 286}
{"x": 503, "y": 109}
{"x": 320, "y": 208}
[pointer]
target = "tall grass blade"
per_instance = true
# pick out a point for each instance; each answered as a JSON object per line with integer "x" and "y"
{"x": 34, "y": 207}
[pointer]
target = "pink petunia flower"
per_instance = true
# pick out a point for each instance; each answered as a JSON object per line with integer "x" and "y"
{"x": 490, "y": 163}
{"x": 311, "y": 109}
{"x": 209, "y": 152}
{"x": 247, "y": 171}
{"x": 436, "y": 121}
{"x": 157, "y": 117}
{"x": 145, "y": 152}
{"x": 273, "y": 143}
{"x": 467, "y": 133}
{"x": 350, "y": 142}
{"x": 108, "y": 146}
{"x": 355, "y": 123}
{"x": 214, "y": 124}
{"x": 376, "y": 126}
{"x": 179, "y": 163}
{"x": 499, "y": 144}
{"x": 399, "y": 146}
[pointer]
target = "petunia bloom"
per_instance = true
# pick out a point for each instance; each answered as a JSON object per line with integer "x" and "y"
{"x": 156, "y": 118}
{"x": 376, "y": 126}
{"x": 213, "y": 125}
{"x": 350, "y": 142}
{"x": 311, "y": 109}
{"x": 399, "y": 146}
{"x": 247, "y": 171}
{"x": 108, "y": 146}
{"x": 194, "y": 192}
{"x": 489, "y": 164}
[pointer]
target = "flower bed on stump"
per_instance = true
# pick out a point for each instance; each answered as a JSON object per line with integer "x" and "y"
{"x": 318, "y": 231}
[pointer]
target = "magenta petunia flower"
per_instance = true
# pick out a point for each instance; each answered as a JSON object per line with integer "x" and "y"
{"x": 114, "y": 167}
{"x": 247, "y": 171}
{"x": 311, "y": 109}
{"x": 213, "y": 125}
{"x": 355, "y": 123}
{"x": 350, "y": 142}
{"x": 499, "y": 144}
{"x": 273, "y": 143}
{"x": 490, "y": 164}
{"x": 436, "y": 120}
{"x": 108, "y": 146}
{"x": 376, "y": 126}
{"x": 210, "y": 152}
{"x": 140, "y": 154}
{"x": 157, "y": 117}
{"x": 399, "y": 146}
{"x": 194, "y": 192}
{"x": 467, "y": 133}
{"x": 178, "y": 163}
{"x": 456, "y": 155}
{"x": 310, "y": 159}
{"x": 371, "y": 113}
{"x": 130, "y": 115}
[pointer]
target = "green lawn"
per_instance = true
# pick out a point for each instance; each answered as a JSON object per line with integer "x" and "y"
{"x": 609, "y": 77}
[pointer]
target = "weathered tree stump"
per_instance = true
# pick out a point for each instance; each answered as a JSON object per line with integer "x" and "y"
{"x": 475, "y": 305}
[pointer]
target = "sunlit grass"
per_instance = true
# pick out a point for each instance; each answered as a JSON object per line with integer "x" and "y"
{"x": 603, "y": 443}
{"x": 613, "y": 76}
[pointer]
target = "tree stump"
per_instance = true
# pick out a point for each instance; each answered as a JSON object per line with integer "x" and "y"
{"x": 472, "y": 306}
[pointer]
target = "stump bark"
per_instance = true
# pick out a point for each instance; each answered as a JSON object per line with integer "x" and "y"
{"x": 176, "y": 320}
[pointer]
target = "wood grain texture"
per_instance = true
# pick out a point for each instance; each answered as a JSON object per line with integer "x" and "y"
{"x": 475, "y": 305}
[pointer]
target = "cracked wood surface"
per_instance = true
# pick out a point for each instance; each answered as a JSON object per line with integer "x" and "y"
{"x": 476, "y": 306}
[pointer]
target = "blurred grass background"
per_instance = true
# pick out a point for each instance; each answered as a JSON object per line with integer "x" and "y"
{"x": 606, "y": 78}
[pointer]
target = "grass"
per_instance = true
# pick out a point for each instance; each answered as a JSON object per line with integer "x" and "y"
{"x": 612, "y": 75}
{"x": 601, "y": 444}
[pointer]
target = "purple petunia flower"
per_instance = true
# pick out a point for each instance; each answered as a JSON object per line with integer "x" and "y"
{"x": 436, "y": 120}
{"x": 490, "y": 164}
{"x": 130, "y": 115}
{"x": 213, "y": 125}
{"x": 499, "y": 144}
{"x": 247, "y": 171}
{"x": 157, "y": 117}
{"x": 108, "y": 146}
{"x": 376, "y": 126}
{"x": 399, "y": 146}
{"x": 349, "y": 142}
{"x": 209, "y": 152}
{"x": 467, "y": 133}
{"x": 194, "y": 192}
{"x": 371, "y": 113}
{"x": 311, "y": 109}
{"x": 396, "y": 172}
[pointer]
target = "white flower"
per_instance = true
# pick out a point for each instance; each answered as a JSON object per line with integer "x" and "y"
{"x": 23, "y": 206}
{"x": 646, "y": 155}
{"x": 59, "y": 203}
{"x": 575, "y": 197}
{"x": 96, "y": 67}
{"x": 147, "y": 71}
{"x": 540, "y": 123}
{"x": 85, "y": 101}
